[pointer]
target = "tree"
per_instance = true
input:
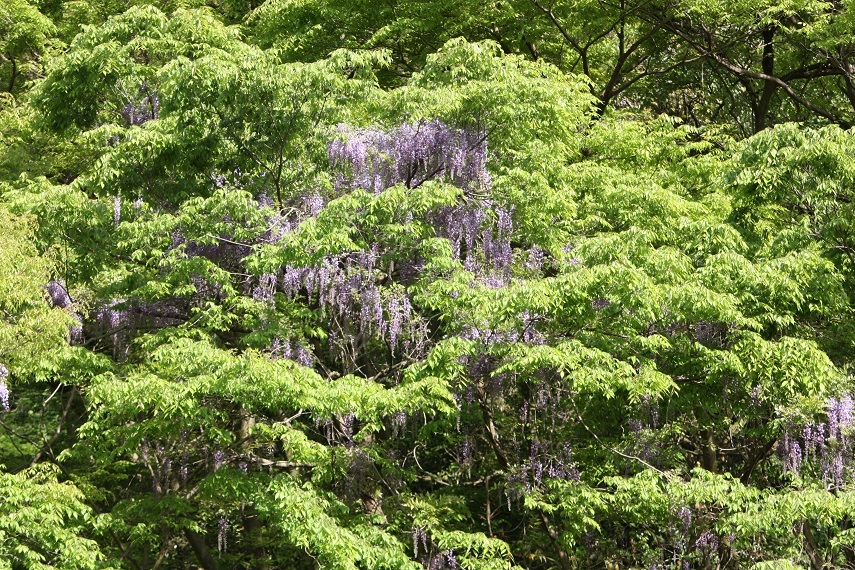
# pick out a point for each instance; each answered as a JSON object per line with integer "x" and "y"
{"x": 427, "y": 303}
{"x": 24, "y": 36}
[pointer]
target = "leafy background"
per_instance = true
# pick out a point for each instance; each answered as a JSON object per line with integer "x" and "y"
{"x": 326, "y": 284}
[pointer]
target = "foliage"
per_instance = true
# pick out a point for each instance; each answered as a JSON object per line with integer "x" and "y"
{"x": 434, "y": 286}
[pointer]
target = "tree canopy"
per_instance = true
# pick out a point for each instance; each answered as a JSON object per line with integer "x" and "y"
{"x": 443, "y": 285}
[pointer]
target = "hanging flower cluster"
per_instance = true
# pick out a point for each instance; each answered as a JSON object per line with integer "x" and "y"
{"x": 830, "y": 445}
{"x": 410, "y": 154}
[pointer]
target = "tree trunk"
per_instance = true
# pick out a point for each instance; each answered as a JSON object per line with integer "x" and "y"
{"x": 203, "y": 555}
{"x": 761, "y": 112}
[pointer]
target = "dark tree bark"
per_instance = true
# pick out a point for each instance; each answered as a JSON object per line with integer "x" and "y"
{"x": 203, "y": 554}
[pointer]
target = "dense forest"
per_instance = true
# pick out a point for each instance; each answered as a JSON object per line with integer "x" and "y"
{"x": 441, "y": 284}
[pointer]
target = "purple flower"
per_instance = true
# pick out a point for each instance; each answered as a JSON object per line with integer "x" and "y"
{"x": 419, "y": 538}
{"x": 222, "y": 534}
{"x": 466, "y": 454}
{"x": 4, "y": 389}
{"x": 756, "y": 400}
{"x": 142, "y": 109}
{"x": 707, "y": 541}
{"x": 117, "y": 210}
{"x": 505, "y": 221}
{"x": 314, "y": 203}
{"x": 495, "y": 281}
{"x": 410, "y": 155}
{"x": 536, "y": 257}
{"x": 265, "y": 289}
{"x": 347, "y": 426}
{"x": 58, "y": 295}
{"x": 301, "y": 356}
{"x": 685, "y": 514}
{"x": 399, "y": 420}
{"x": 839, "y": 415}
{"x": 791, "y": 453}
{"x": 371, "y": 312}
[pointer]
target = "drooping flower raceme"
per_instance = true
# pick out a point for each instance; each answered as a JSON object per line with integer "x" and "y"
{"x": 4, "y": 389}
{"x": 826, "y": 445}
{"x": 411, "y": 154}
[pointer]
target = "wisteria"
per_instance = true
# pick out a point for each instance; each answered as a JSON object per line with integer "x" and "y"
{"x": 828, "y": 445}
{"x": 116, "y": 322}
{"x": 685, "y": 515}
{"x": 711, "y": 334}
{"x": 480, "y": 234}
{"x": 445, "y": 560}
{"x": 313, "y": 204}
{"x": 117, "y": 210}
{"x": 58, "y": 294}
{"x": 466, "y": 455}
{"x": 356, "y": 482}
{"x": 543, "y": 463}
{"x": 222, "y": 534}
{"x": 224, "y": 251}
{"x": 707, "y": 541}
{"x": 4, "y": 388}
{"x": 291, "y": 350}
{"x": 420, "y": 538}
{"x": 265, "y": 289}
{"x": 791, "y": 453}
{"x": 410, "y": 154}
{"x": 345, "y": 287}
{"x": 479, "y": 230}
{"x": 137, "y": 112}
{"x": 536, "y": 258}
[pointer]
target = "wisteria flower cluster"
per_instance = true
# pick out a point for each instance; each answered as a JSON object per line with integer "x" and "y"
{"x": 143, "y": 110}
{"x": 480, "y": 236}
{"x": 828, "y": 445}
{"x": 544, "y": 463}
{"x": 117, "y": 321}
{"x": 410, "y": 154}
{"x": 4, "y": 389}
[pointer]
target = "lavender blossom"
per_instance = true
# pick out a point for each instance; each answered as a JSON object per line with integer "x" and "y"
{"x": 58, "y": 294}
{"x": 313, "y": 204}
{"x": 410, "y": 154}
{"x": 685, "y": 514}
{"x": 545, "y": 463}
{"x": 530, "y": 333}
{"x": 136, "y": 113}
{"x": 839, "y": 415}
{"x": 265, "y": 289}
{"x": 398, "y": 420}
{"x": 536, "y": 257}
{"x": 707, "y": 541}
{"x": 791, "y": 453}
{"x": 756, "y": 399}
{"x": 117, "y": 210}
{"x": 419, "y": 538}
{"x": 4, "y": 389}
{"x": 222, "y": 534}
{"x": 466, "y": 455}
{"x": 445, "y": 560}
{"x": 347, "y": 426}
